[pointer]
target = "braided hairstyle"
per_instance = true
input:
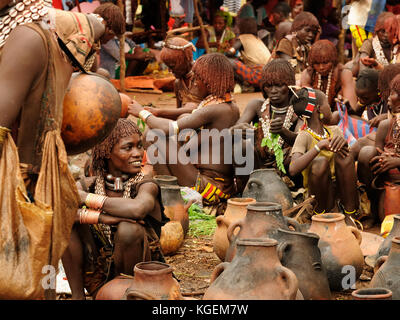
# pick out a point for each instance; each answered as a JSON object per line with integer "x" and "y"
{"x": 102, "y": 151}
{"x": 277, "y": 72}
{"x": 215, "y": 70}
{"x": 175, "y": 50}
{"x": 113, "y": 17}
{"x": 385, "y": 77}
{"x": 395, "y": 84}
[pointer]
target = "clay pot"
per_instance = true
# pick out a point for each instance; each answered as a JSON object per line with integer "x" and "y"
{"x": 171, "y": 238}
{"x": 372, "y": 294}
{"x": 387, "y": 243}
{"x": 339, "y": 245}
{"x": 153, "y": 281}
{"x": 299, "y": 252}
{"x": 166, "y": 180}
{"x": 174, "y": 206}
{"x": 387, "y": 270}
{"x": 255, "y": 273}
{"x": 236, "y": 209}
{"x": 92, "y": 107}
{"x": 263, "y": 219}
{"x": 265, "y": 185}
{"x": 115, "y": 288}
{"x": 125, "y": 101}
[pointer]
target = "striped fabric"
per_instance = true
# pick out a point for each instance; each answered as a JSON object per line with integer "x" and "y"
{"x": 352, "y": 128}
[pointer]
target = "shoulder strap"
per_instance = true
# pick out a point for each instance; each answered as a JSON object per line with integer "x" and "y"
{"x": 74, "y": 61}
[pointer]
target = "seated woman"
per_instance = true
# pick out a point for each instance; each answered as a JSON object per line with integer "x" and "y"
{"x": 295, "y": 46}
{"x": 326, "y": 74}
{"x": 379, "y": 164}
{"x": 380, "y": 50}
{"x": 253, "y": 53}
{"x": 321, "y": 154}
{"x": 273, "y": 114}
{"x": 121, "y": 225}
{"x": 220, "y": 36}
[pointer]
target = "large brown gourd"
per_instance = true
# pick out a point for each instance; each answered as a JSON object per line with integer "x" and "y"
{"x": 92, "y": 107}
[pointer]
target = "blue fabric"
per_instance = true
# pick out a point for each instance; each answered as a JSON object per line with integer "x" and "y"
{"x": 199, "y": 52}
{"x": 377, "y": 7}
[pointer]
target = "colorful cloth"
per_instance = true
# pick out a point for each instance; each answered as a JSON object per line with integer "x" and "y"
{"x": 364, "y": 13}
{"x": 359, "y": 35}
{"x": 352, "y": 128}
{"x": 252, "y": 74}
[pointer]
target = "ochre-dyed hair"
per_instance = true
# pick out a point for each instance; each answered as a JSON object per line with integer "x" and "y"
{"x": 323, "y": 51}
{"x": 248, "y": 26}
{"x": 113, "y": 16}
{"x": 392, "y": 26}
{"x": 380, "y": 22}
{"x": 102, "y": 151}
{"x": 277, "y": 72}
{"x": 215, "y": 70}
{"x": 304, "y": 19}
{"x": 169, "y": 54}
{"x": 395, "y": 84}
{"x": 385, "y": 77}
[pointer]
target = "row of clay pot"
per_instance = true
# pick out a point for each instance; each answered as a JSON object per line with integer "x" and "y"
{"x": 317, "y": 256}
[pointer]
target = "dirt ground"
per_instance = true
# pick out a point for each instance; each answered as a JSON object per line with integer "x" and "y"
{"x": 194, "y": 262}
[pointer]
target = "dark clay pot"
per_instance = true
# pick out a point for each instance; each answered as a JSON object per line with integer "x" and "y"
{"x": 174, "y": 206}
{"x": 153, "y": 281}
{"x": 263, "y": 219}
{"x": 299, "y": 252}
{"x": 115, "y": 288}
{"x": 255, "y": 273}
{"x": 372, "y": 294}
{"x": 166, "y": 180}
{"x": 265, "y": 185}
{"x": 387, "y": 243}
{"x": 387, "y": 270}
{"x": 339, "y": 245}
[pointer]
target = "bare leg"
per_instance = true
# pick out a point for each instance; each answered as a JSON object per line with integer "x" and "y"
{"x": 320, "y": 184}
{"x": 128, "y": 249}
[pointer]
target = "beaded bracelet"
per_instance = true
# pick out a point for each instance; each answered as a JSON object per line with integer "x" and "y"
{"x": 95, "y": 201}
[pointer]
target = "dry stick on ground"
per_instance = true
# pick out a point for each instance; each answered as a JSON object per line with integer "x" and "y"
{"x": 203, "y": 32}
{"x": 300, "y": 208}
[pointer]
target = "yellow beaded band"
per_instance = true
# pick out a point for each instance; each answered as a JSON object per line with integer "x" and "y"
{"x": 95, "y": 201}
{"x": 3, "y": 133}
{"x": 89, "y": 216}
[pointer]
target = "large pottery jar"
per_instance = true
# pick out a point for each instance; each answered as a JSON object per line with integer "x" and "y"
{"x": 299, "y": 252}
{"x": 340, "y": 248}
{"x": 265, "y": 185}
{"x": 153, "y": 281}
{"x": 387, "y": 243}
{"x": 235, "y": 210}
{"x": 174, "y": 206}
{"x": 387, "y": 270}
{"x": 263, "y": 219}
{"x": 115, "y": 288}
{"x": 166, "y": 180}
{"x": 372, "y": 294}
{"x": 255, "y": 273}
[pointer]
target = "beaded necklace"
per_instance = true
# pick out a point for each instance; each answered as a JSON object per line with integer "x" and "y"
{"x": 211, "y": 99}
{"x": 328, "y": 87}
{"x": 380, "y": 55}
{"x": 26, "y": 11}
{"x": 266, "y": 121}
{"x": 318, "y": 136}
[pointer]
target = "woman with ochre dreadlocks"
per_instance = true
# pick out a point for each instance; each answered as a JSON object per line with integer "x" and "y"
{"x": 119, "y": 223}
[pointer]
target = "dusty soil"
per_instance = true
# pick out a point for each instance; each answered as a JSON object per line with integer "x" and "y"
{"x": 194, "y": 262}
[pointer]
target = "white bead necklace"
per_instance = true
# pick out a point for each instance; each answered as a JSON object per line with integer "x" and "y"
{"x": 328, "y": 87}
{"x": 380, "y": 55}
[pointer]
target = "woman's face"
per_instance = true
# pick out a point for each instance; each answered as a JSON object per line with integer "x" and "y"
{"x": 394, "y": 101}
{"x": 383, "y": 37}
{"x": 306, "y": 35}
{"x": 126, "y": 156}
{"x": 179, "y": 67}
{"x": 323, "y": 68}
{"x": 219, "y": 24}
{"x": 277, "y": 94}
{"x": 366, "y": 96}
{"x": 198, "y": 87}
{"x": 298, "y": 8}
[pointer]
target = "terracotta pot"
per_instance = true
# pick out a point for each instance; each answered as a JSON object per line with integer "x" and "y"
{"x": 153, "y": 281}
{"x": 339, "y": 245}
{"x": 372, "y": 294}
{"x": 387, "y": 243}
{"x": 171, "y": 238}
{"x": 174, "y": 206}
{"x": 166, "y": 180}
{"x": 299, "y": 252}
{"x": 236, "y": 209}
{"x": 263, "y": 219}
{"x": 125, "y": 101}
{"x": 115, "y": 288}
{"x": 265, "y": 185}
{"x": 255, "y": 273}
{"x": 92, "y": 107}
{"x": 387, "y": 270}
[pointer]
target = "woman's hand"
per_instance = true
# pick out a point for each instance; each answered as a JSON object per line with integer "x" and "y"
{"x": 82, "y": 197}
{"x": 276, "y": 125}
{"x": 384, "y": 163}
{"x": 374, "y": 122}
{"x": 134, "y": 108}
